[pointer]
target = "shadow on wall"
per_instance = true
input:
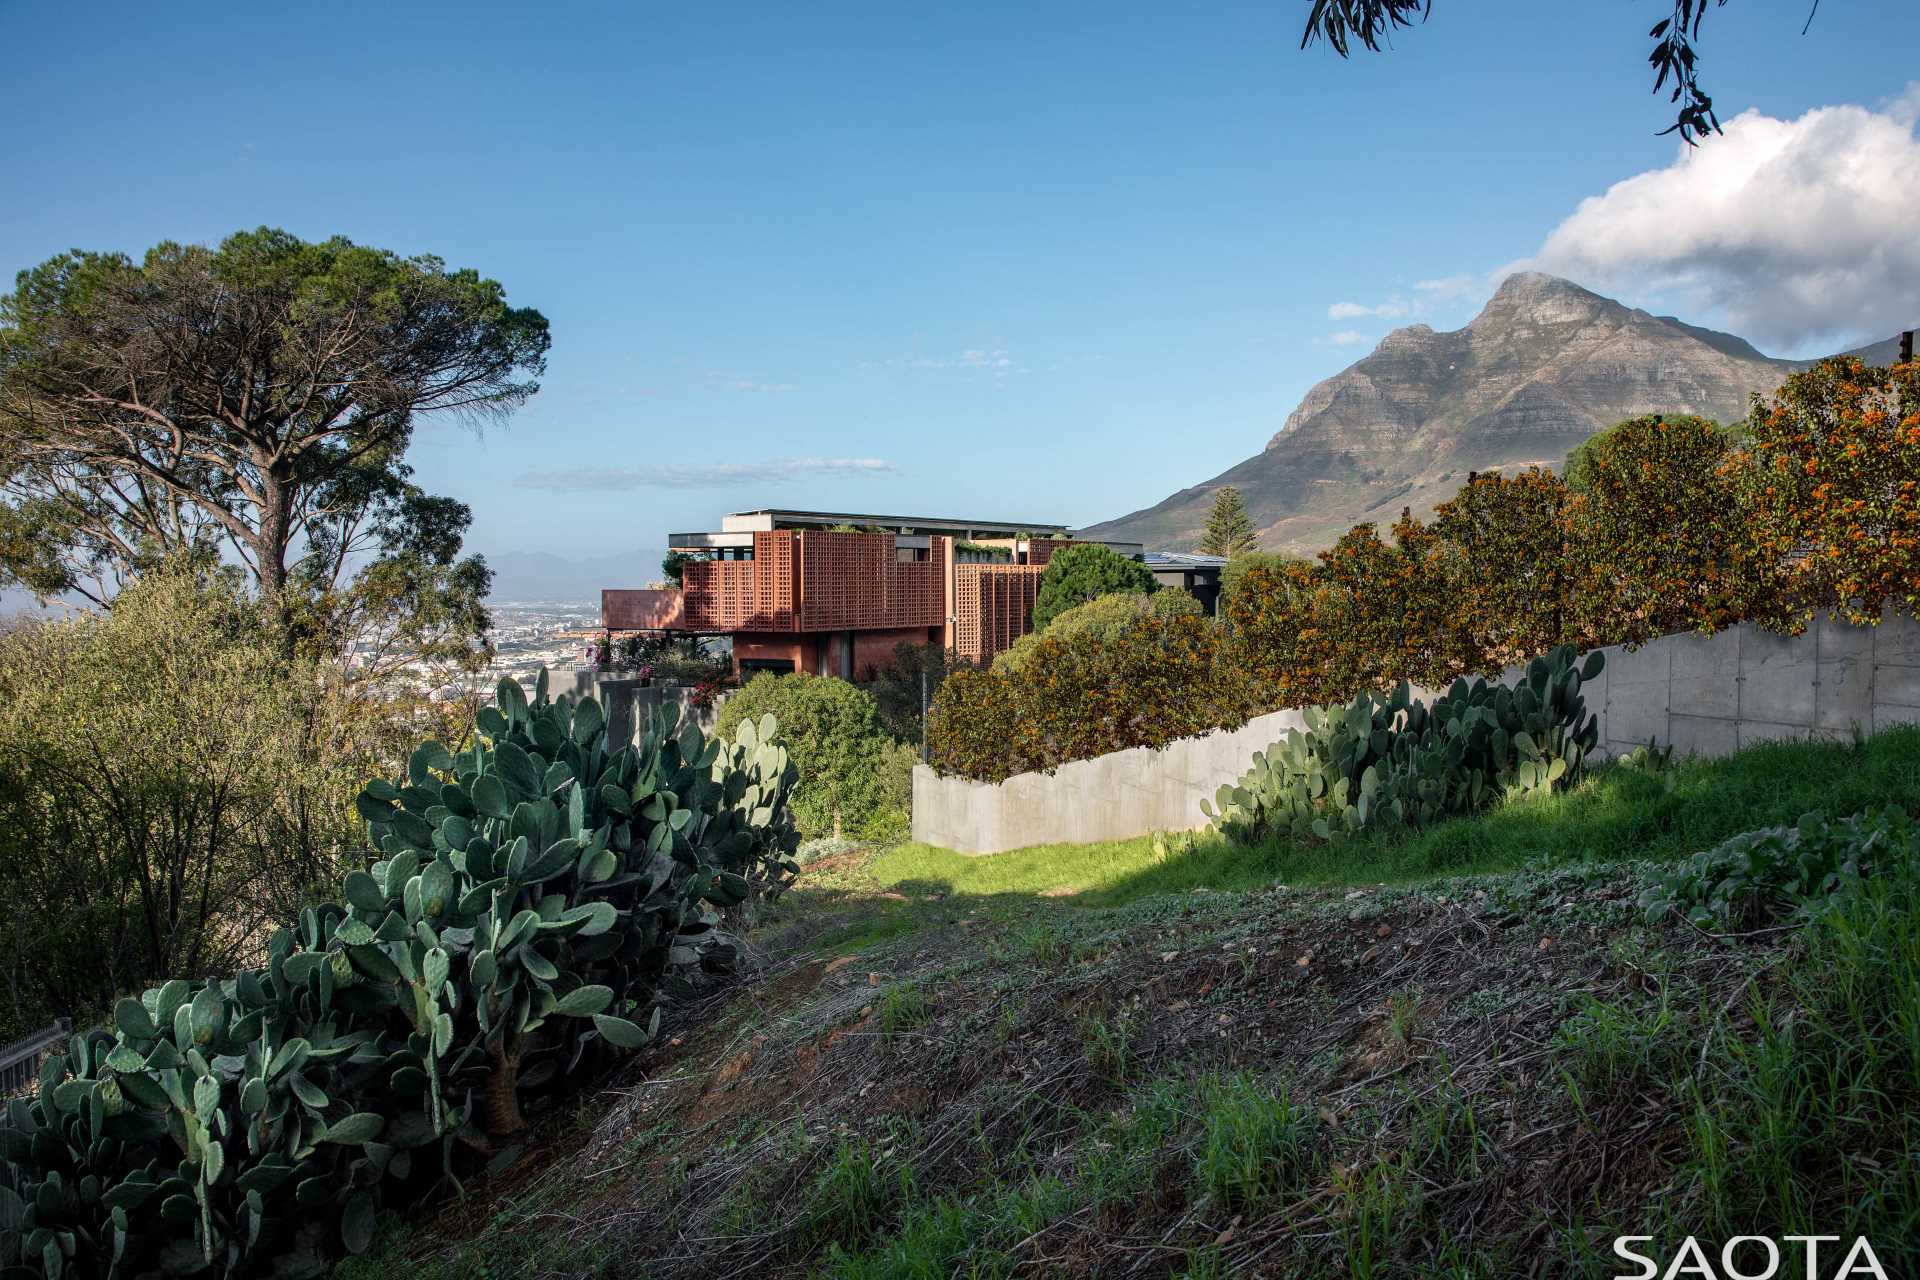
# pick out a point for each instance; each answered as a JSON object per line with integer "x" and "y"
{"x": 1706, "y": 695}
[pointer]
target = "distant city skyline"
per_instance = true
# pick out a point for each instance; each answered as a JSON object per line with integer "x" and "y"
{"x": 854, "y": 257}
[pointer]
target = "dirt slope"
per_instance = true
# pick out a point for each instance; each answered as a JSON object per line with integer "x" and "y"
{"x": 1470, "y": 1072}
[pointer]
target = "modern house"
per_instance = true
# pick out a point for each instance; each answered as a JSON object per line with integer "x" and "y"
{"x": 833, "y": 593}
{"x": 1191, "y": 572}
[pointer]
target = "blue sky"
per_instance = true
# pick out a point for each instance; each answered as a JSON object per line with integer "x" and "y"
{"x": 1024, "y": 261}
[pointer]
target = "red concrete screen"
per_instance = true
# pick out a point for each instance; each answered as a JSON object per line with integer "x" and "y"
{"x": 649, "y": 610}
{"x": 743, "y": 595}
{"x": 993, "y": 606}
{"x": 857, "y": 582}
{"x": 1040, "y": 550}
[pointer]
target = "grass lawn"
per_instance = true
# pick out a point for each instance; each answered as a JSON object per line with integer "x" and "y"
{"x": 1618, "y": 814}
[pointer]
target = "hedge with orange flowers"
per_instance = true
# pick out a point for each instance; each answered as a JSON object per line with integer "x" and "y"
{"x": 1834, "y": 461}
{"x": 1507, "y": 575}
{"x": 1158, "y": 679}
{"x": 1661, "y": 536}
{"x": 1669, "y": 524}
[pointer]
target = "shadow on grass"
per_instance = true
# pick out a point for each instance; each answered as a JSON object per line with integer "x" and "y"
{"x": 1618, "y": 814}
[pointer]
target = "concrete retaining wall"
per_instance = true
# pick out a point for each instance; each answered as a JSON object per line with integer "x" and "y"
{"x": 1705, "y": 695}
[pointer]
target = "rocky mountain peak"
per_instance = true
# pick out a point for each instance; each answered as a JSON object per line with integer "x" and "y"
{"x": 1543, "y": 366}
{"x": 1537, "y": 298}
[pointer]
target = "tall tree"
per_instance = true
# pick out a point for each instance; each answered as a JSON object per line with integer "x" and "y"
{"x": 1229, "y": 531}
{"x": 1075, "y": 575}
{"x": 255, "y": 402}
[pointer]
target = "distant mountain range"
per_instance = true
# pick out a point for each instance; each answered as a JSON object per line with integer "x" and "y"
{"x": 537, "y": 577}
{"x": 1544, "y": 365}
{"x": 519, "y": 577}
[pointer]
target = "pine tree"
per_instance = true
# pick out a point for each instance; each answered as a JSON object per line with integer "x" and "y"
{"x": 1229, "y": 531}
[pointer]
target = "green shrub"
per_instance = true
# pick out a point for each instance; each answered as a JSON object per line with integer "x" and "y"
{"x": 1401, "y": 763}
{"x": 1802, "y": 1112}
{"x": 172, "y": 786}
{"x": 1762, "y": 875}
{"x": 1150, "y": 681}
{"x": 1075, "y": 575}
{"x": 1102, "y": 618}
{"x": 897, "y": 687}
{"x": 854, "y": 779}
{"x": 541, "y": 893}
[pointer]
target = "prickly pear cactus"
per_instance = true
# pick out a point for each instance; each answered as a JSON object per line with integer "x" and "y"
{"x": 537, "y": 896}
{"x": 1400, "y": 762}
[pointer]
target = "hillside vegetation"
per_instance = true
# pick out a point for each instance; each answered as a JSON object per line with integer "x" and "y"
{"x": 1464, "y": 1052}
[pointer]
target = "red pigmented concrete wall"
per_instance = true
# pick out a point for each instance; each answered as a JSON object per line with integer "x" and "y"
{"x": 637, "y": 610}
{"x": 873, "y": 650}
{"x": 799, "y": 650}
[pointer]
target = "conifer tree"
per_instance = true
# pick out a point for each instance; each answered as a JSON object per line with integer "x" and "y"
{"x": 1229, "y": 530}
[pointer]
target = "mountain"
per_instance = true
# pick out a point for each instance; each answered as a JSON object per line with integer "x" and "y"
{"x": 1544, "y": 365}
{"x": 539, "y": 577}
{"x": 519, "y": 577}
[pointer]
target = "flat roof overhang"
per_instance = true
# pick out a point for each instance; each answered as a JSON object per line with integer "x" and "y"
{"x": 781, "y": 517}
{"x": 743, "y": 538}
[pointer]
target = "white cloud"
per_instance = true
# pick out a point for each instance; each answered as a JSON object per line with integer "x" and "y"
{"x": 1431, "y": 299}
{"x": 997, "y": 362}
{"x": 720, "y": 380}
{"x": 718, "y": 475}
{"x": 1346, "y": 338}
{"x": 1355, "y": 310}
{"x": 1797, "y": 234}
{"x": 1449, "y": 288}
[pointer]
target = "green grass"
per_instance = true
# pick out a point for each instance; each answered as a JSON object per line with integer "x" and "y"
{"x": 1617, "y": 814}
{"x": 853, "y": 1191}
{"x": 903, "y": 1007}
{"x": 1829, "y": 1071}
{"x": 1256, "y": 1141}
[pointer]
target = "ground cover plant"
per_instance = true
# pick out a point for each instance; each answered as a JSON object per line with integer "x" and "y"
{"x": 540, "y": 895}
{"x": 1469, "y": 1075}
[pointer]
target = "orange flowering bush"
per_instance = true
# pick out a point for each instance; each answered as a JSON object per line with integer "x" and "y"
{"x": 1271, "y": 610}
{"x": 1383, "y": 607}
{"x": 1661, "y": 535}
{"x": 1160, "y": 678}
{"x": 1367, "y": 614}
{"x": 1506, "y": 569}
{"x": 1835, "y": 460}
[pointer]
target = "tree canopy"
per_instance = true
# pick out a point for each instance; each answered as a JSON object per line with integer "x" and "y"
{"x": 252, "y": 402}
{"x": 854, "y": 779}
{"x": 1229, "y": 530}
{"x": 1078, "y": 574}
{"x": 1675, "y": 56}
{"x": 1103, "y": 618}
